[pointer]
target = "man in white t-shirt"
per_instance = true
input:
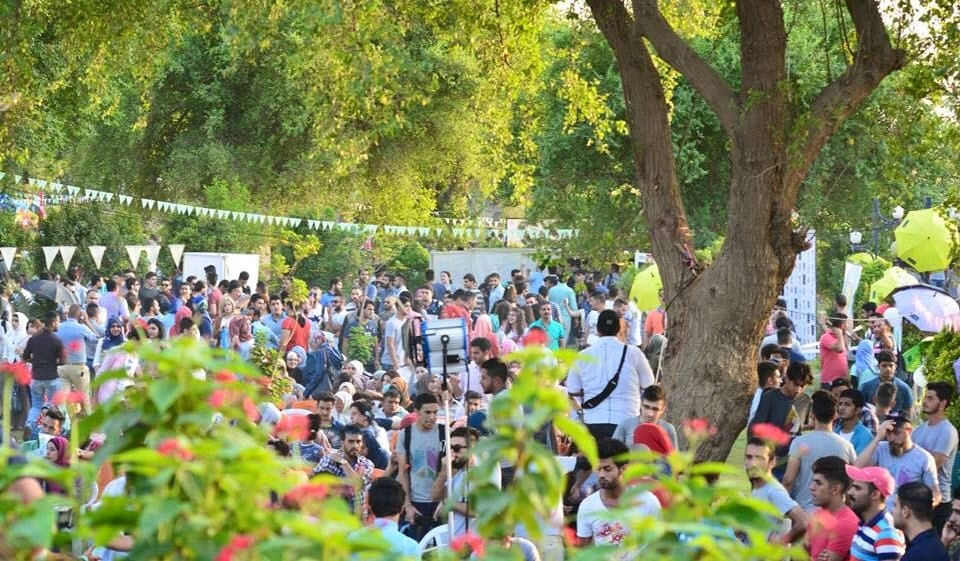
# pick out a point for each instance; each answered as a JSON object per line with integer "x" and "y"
{"x": 394, "y": 351}
{"x": 594, "y": 522}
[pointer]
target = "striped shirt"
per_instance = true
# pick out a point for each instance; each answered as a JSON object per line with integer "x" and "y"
{"x": 877, "y": 539}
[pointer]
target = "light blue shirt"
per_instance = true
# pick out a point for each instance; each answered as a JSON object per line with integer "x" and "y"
{"x": 399, "y": 543}
{"x": 557, "y": 295}
{"x": 273, "y": 324}
{"x": 75, "y": 337}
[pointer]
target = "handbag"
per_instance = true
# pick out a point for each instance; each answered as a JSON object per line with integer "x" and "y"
{"x": 611, "y": 385}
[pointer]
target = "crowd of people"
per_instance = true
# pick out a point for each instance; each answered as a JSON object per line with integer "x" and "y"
{"x": 851, "y": 477}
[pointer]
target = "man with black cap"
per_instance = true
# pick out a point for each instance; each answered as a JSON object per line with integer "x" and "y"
{"x": 893, "y": 449}
{"x": 609, "y": 379}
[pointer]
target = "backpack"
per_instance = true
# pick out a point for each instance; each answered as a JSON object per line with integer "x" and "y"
{"x": 322, "y": 369}
{"x": 408, "y": 436}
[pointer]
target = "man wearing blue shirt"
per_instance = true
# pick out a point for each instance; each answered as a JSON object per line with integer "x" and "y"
{"x": 75, "y": 334}
{"x": 557, "y": 294}
{"x": 848, "y": 424}
{"x": 912, "y": 514}
{"x": 274, "y": 319}
{"x": 887, "y": 365}
{"x": 386, "y": 498}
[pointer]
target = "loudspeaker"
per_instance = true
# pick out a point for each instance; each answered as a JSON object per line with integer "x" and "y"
{"x": 456, "y": 358}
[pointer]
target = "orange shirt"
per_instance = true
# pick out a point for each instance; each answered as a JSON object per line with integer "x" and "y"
{"x": 654, "y": 324}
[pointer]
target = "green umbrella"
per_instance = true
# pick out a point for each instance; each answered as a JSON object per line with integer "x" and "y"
{"x": 645, "y": 291}
{"x": 924, "y": 240}
{"x": 892, "y": 278}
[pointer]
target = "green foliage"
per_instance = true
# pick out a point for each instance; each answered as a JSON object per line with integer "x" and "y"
{"x": 938, "y": 359}
{"x": 870, "y": 274}
{"x": 362, "y": 345}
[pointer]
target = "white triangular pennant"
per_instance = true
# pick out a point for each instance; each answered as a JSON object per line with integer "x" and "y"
{"x": 147, "y": 203}
{"x": 73, "y": 190}
{"x": 125, "y": 199}
{"x": 295, "y": 222}
{"x": 313, "y": 224}
{"x": 96, "y": 251}
{"x": 176, "y": 251}
{"x": 133, "y": 251}
{"x": 153, "y": 254}
{"x": 107, "y": 197}
{"x": 50, "y": 253}
{"x": 8, "y": 253}
{"x": 66, "y": 253}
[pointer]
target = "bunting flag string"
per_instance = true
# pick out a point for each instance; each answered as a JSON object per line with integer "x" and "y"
{"x": 66, "y": 253}
{"x": 97, "y": 251}
{"x": 479, "y": 227}
{"x": 50, "y": 253}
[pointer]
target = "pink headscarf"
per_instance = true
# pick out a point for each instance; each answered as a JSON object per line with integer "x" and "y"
{"x": 63, "y": 451}
{"x": 484, "y": 328}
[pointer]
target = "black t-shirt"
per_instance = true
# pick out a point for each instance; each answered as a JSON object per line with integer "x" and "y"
{"x": 777, "y": 409}
{"x": 44, "y": 351}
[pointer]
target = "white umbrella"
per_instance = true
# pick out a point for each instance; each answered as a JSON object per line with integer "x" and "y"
{"x": 930, "y": 308}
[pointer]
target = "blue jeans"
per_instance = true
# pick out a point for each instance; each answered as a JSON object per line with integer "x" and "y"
{"x": 41, "y": 393}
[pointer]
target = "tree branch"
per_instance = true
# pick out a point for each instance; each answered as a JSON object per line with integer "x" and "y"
{"x": 874, "y": 60}
{"x": 717, "y": 92}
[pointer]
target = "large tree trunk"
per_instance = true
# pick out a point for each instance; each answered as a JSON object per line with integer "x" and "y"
{"x": 716, "y": 316}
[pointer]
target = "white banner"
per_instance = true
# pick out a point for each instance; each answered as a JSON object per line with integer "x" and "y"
{"x": 176, "y": 251}
{"x": 50, "y": 253}
{"x": 8, "y": 253}
{"x": 133, "y": 251}
{"x": 96, "y": 251}
{"x": 66, "y": 252}
{"x": 851, "y": 279}
{"x": 153, "y": 253}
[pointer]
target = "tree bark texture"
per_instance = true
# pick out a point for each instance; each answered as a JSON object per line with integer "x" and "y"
{"x": 716, "y": 316}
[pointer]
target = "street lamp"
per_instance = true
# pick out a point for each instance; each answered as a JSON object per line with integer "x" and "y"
{"x": 880, "y": 224}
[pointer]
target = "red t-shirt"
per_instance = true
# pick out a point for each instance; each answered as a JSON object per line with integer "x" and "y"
{"x": 654, "y": 324}
{"x": 301, "y": 335}
{"x": 832, "y": 532}
{"x": 455, "y": 310}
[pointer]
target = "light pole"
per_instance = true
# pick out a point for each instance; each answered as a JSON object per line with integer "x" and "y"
{"x": 880, "y": 224}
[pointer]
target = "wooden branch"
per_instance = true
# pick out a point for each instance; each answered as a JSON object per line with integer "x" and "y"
{"x": 875, "y": 59}
{"x": 717, "y": 92}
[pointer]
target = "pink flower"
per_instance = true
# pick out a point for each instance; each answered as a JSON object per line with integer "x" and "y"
{"x": 536, "y": 337}
{"x": 771, "y": 433}
{"x": 171, "y": 447}
{"x": 74, "y": 346}
{"x": 698, "y": 428}
{"x": 218, "y": 398}
{"x": 296, "y": 427}
{"x": 237, "y": 543}
{"x": 19, "y": 371}
{"x": 63, "y": 397}
{"x": 461, "y": 543}
{"x": 306, "y": 492}
{"x": 250, "y": 409}
{"x": 224, "y": 376}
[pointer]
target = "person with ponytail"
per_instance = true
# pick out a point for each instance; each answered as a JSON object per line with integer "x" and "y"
{"x": 295, "y": 331}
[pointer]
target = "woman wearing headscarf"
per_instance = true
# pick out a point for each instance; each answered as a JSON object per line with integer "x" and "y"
{"x": 16, "y": 338}
{"x": 654, "y": 352}
{"x": 354, "y": 373}
{"x": 341, "y": 406}
{"x": 58, "y": 453}
{"x": 241, "y": 336}
{"x": 113, "y": 357}
{"x": 296, "y": 359}
{"x": 652, "y": 438}
{"x": 484, "y": 328}
{"x": 221, "y": 327}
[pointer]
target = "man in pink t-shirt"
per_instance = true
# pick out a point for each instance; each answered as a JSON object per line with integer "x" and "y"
{"x": 832, "y": 525}
{"x": 833, "y": 351}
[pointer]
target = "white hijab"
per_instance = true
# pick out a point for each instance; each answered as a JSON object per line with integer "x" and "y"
{"x": 15, "y": 339}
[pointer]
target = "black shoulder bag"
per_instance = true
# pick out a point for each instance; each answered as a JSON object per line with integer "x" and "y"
{"x": 611, "y": 385}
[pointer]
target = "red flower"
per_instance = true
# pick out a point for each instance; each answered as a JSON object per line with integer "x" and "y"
{"x": 237, "y": 543}
{"x": 224, "y": 376}
{"x": 20, "y": 372}
{"x": 74, "y": 346}
{"x": 306, "y": 492}
{"x": 63, "y": 397}
{"x": 535, "y": 337}
{"x": 471, "y": 541}
{"x": 570, "y": 536}
{"x": 218, "y": 398}
{"x": 296, "y": 427}
{"x": 772, "y": 433}
{"x": 171, "y": 447}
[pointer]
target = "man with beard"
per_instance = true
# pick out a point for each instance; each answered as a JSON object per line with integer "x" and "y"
{"x": 893, "y": 449}
{"x": 348, "y": 464}
{"x": 758, "y": 462}
{"x": 594, "y": 524}
{"x": 462, "y": 441}
{"x": 912, "y": 513}
{"x": 939, "y": 437}
{"x": 832, "y": 525}
{"x": 877, "y": 538}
